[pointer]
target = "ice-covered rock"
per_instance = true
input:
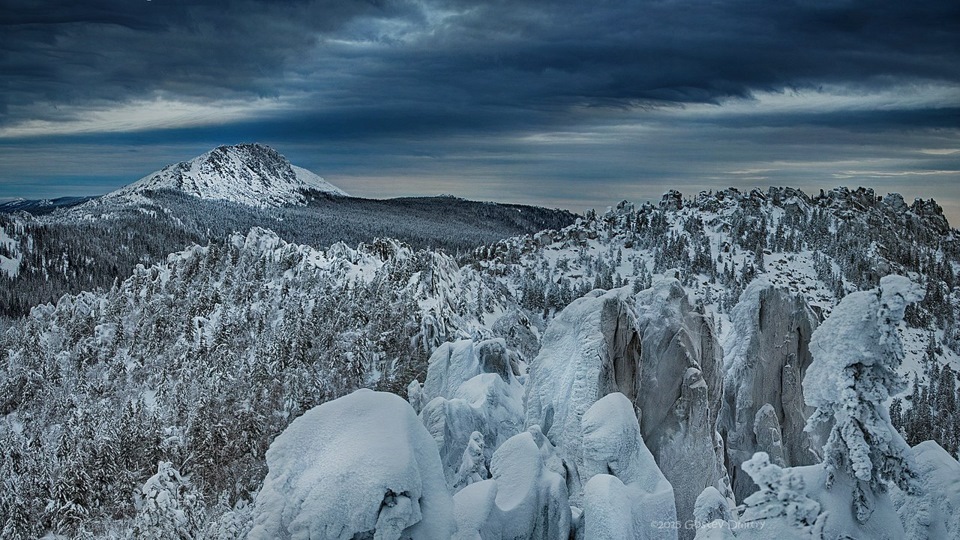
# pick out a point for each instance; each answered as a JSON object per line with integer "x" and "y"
{"x": 658, "y": 351}
{"x": 711, "y": 505}
{"x": 767, "y": 355}
{"x": 470, "y": 387}
{"x": 358, "y": 466}
{"x": 680, "y": 389}
{"x": 590, "y": 349}
{"x": 626, "y": 495}
{"x": 473, "y": 464}
{"x": 769, "y": 435}
{"x": 524, "y": 499}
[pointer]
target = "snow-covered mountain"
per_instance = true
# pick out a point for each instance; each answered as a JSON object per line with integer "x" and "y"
{"x": 638, "y": 373}
{"x": 251, "y": 174}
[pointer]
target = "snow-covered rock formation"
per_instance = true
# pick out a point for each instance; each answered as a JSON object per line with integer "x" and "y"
{"x": 659, "y": 352}
{"x": 470, "y": 388}
{"x": 767, "y": 354}
{"x": 251, "y": 174}
{"x": 591, "y": 349}
{"x": 933, "y": 511}
{"x": 857, "y": 351}
{"x": 626, "y": 495}
{"x": 679, "y": 393}
{"x": 524, "y": 499}
{"x": 361, "y": 466}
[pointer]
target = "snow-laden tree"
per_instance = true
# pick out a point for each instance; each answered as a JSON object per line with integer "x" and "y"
{"x": 856, "y": 353}
{"x": 781, "y": 495}
{"x": 168, "y": 507}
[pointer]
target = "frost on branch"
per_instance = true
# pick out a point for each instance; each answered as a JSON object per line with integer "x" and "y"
{"x": 168, "y": 507}
{"x": 781, "y": 494}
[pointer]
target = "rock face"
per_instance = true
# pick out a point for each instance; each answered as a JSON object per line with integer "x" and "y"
{"x": 577, "y": 365}
{"x": 361, "y": 466}
{"x": 680, "y": 382}
{"x": 762, "y": 407}
{"x": 656, "y": 350}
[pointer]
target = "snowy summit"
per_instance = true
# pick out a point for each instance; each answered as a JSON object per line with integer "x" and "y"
{"x": 251, "y": 174}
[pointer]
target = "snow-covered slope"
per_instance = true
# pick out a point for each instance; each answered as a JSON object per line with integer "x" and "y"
{"x": 681, "y": 306}
{"x": 251, "y": 174}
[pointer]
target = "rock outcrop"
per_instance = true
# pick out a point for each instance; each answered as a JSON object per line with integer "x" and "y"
{"x": 767, "y": 355}
{"x": 655, "y": 349}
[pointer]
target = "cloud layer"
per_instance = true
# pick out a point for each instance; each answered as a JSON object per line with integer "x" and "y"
{"x": 412, "y": 87}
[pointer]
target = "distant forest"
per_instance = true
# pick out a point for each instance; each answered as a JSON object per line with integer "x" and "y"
{"x": 89, "y": 246}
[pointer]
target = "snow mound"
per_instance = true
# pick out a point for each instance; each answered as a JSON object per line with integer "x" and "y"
{"x": 934, "y": 511}
{"x": 626, "y": 495}
{"x": 524, "y": 499}
{"x": 359, "y": 465}
{"x": 250, "y": 174}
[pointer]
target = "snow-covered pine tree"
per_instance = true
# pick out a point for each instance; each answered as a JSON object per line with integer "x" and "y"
{"x": 856, "y": 352}
{"x": 169, "y": 507}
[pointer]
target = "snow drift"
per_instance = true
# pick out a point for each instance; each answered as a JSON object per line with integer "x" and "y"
{"x": 359, "y": 465}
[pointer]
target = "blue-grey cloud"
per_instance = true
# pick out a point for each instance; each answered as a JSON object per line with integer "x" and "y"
{"x": 501, "y": 95}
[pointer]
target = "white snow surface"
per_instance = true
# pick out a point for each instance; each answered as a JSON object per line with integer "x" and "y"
{"x": 250, "y": 174}
{"x": 524, "y": 499}
{"x": 934, "y": 511}
{"x": 634, "y": 500}
{"x": 359, "y": 464}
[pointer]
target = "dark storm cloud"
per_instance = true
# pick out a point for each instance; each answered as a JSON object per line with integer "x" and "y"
{"x": 513, "y": 60}
{"x": 521, "y": 100}
{"x": 557, "y": 56}
{"x": 109, "y": 51}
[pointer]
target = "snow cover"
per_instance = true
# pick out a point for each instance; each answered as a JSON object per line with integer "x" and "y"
{"x": 359, "y": 464}
{"x": 524, "y": 499}
{"x": 251, "y": 174}
{"x": 626, "y": 495}
{"x": 934, "y": 510}
{"x": 620, "y": 404}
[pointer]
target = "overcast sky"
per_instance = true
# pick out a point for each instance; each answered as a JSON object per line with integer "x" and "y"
{"x": 569, "y": 103}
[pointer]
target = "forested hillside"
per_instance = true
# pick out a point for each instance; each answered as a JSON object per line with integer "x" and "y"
{"x": 194, "y": 364}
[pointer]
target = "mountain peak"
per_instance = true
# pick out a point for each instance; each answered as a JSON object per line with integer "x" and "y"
{"x": 253, "y": 174}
